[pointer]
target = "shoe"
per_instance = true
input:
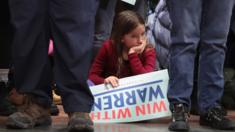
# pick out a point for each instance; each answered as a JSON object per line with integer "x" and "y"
{"x": 54, "y": 110}
{"x": 214, "y": 118}
{"x": 29, "y": 115}
{"x": 80, "y": 122}
{"x": 179, "y": 118}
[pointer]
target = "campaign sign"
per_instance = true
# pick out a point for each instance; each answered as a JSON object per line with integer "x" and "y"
{"x": 140, "y": 97}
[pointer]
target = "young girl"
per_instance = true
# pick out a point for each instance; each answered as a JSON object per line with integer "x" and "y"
{"x": 127, "y": 53}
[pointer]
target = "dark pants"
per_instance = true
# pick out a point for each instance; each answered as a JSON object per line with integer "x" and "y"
{"x": 203, "y": 23}
{"x": 70, "y": 23}
{"x": 5, "y": 35}
{"x": 230, "y": 53}
{"x": 103, "y": 23}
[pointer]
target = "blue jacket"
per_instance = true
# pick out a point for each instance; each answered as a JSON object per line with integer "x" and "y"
{"x": 158, "y": 26}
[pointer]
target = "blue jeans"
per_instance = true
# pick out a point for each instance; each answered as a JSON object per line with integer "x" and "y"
{"x": 202, "y": 24}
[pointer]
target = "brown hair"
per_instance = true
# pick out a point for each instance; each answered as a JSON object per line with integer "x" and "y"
{"x": 124, "y": 23}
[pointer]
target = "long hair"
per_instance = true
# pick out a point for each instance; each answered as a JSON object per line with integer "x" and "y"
{"x": 124, "y": 23}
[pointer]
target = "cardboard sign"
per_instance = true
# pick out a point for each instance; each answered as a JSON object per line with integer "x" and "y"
{"x": 140, "y": 97}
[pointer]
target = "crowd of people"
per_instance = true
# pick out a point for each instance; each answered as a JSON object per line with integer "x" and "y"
{"x": 103, "y": 41}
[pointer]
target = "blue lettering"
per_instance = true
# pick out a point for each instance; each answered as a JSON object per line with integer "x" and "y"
{"x": 107, "y": 102}
{"x": 119, "y": 101}
{"x": 97, "y": 104}
{"x": 155, "y": 93}
{"x": 131, "y": 99}
{"x": 142, "y": 94}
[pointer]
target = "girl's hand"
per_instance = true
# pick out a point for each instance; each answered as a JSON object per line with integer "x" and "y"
{"x": 140, "y": 48}
{"x": 111, "y": 80}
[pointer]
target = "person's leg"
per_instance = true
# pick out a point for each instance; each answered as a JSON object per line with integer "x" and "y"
{"x": 5, "y": 35}
{"x": 103, "y": 23}
{"x": 72, "y": 51}
{"x": 230, "y": 54}
{"x": 72, "y": 30}
{"x": 141, "y": 7}
{"x": 30, "y": 61}
{"x": 185, "y": 35}
{"x": 214, "y": 30}
{"x": 30, "y": 46}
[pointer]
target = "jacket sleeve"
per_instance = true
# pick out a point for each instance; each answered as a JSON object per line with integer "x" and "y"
{"x": 144, "y": 66}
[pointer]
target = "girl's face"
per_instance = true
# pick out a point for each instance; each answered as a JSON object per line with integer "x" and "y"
{"x": 134, "y": 38}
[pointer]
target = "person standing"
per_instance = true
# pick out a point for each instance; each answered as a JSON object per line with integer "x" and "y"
{"x": 70, "y": 23}
{"x": 202, "y": 24}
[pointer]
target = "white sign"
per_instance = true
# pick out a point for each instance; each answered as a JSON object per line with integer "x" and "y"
{"x": 130, "y": 1}
{"x": 140, "y": 97}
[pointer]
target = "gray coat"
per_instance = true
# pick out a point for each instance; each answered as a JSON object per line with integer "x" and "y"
{"x": 158, "y": 27}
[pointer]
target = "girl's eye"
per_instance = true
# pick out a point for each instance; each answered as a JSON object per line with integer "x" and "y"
{"x": 143, "y": 34}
